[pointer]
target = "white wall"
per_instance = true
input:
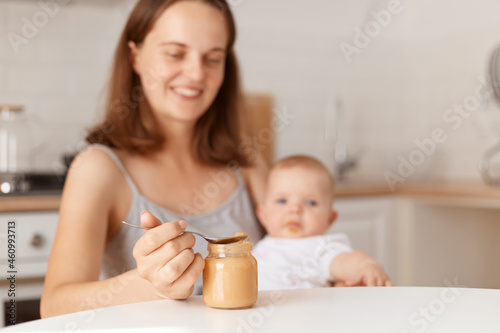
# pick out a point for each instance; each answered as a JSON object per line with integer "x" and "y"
{"x": 60, "y": 72}
{"x": 395, "y": 91}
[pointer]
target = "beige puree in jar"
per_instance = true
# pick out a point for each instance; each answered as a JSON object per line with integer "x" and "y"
{"x": 230, "y": 275}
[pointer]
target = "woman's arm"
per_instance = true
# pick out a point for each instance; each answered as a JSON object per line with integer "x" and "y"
{"x": 94, "y": 189}
{"x": 82, "y": 230}
{"x": 358, "y": 269}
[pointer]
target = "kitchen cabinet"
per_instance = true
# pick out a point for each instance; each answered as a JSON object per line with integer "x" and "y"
{"x": 451, "y": 241}
{"x": 34, "y": 234}
{"x": 426, "y": 235}
{"x": 368, "y": 223}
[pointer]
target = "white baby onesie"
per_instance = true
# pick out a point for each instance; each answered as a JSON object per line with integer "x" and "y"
{"x": 292, "y": 263}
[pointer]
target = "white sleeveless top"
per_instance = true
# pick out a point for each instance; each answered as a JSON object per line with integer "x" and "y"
{"x": 234, "y": 215}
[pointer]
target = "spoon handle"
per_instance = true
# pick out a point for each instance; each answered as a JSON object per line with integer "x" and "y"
{"x": 223, "y": 240}
{"x": 145, "y": 228}
{"x": 135, "y": 226}
{"x": 208, "y": 239}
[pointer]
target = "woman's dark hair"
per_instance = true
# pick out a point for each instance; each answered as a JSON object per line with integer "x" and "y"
{"x": 129, "y": 122}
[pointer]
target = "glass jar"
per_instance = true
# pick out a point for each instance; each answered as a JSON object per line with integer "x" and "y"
{"x": 21, "y": 139}
{"x": 14, "y": 136}
{"x": 230, "y": 276}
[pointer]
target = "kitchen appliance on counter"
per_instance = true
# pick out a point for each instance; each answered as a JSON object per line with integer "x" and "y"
{"x": 336, "y": 134}
{"x": 490, "y": 175}
{"x": 31, "y": 183}
{"x": 21, "y": 139}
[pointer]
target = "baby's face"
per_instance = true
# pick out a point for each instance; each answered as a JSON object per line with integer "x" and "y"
{"x": 297, "y": 203}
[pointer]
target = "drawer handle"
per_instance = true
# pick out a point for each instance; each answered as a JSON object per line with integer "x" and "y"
{"x": 37, "y": 240}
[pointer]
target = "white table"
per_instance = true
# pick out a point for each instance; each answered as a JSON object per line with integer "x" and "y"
{"x": 361, "y": 309}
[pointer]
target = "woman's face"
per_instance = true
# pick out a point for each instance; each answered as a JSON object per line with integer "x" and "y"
{"x": 181, "y": 61}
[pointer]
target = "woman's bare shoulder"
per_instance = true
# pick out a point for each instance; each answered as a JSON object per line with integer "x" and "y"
{"x": 93, "y": 174}
{"x": 94, "y": 162}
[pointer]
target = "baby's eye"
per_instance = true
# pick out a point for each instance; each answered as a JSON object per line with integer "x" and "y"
{"x": 281, "y": 201}
{"x": 311, "y": 203}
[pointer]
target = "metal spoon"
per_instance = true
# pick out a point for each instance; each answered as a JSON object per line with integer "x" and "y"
{"x": 214, "y": 240}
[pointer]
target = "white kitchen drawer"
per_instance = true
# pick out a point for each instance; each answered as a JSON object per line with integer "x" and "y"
{"x": 35, "y": 233}
{"x": 368, "y": 222}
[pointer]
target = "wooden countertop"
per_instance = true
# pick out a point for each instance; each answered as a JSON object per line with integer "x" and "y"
{"x": 436, "y": 189}
{"x": 29, "y": 203}
{"x": 349, "y": 190}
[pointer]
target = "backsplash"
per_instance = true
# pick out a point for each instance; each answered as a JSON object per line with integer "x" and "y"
{"x": 55, "y": 60}
{"x": 421, "y": 60}
{"x": 397, "y": 83}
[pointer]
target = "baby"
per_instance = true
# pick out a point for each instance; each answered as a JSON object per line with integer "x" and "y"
{"x": 296, "y": 212}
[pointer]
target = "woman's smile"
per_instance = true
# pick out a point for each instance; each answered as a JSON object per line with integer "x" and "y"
{"x": 187, "y": 93}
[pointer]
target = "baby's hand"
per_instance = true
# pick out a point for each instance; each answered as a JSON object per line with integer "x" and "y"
{"x": 371, "y": 274}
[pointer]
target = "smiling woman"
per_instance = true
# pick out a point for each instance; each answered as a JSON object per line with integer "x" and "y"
{"x": 171, "y": 126}
{"x": 161, "y": 57}
{"x": 155, "y": 44}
